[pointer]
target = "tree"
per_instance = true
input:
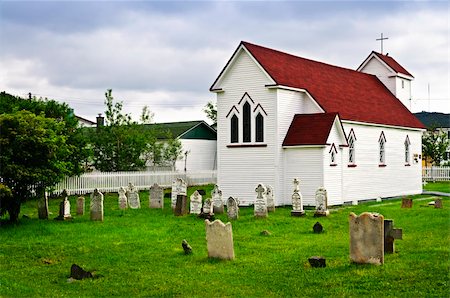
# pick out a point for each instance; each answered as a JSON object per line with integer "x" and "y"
{"x": 211, "y": 111}
{"x": 33, "y": 157}
{"x": 434, "y": 145}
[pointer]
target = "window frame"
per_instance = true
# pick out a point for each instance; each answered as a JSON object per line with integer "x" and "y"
{"x": 382, "y": 150}
{"x": 259, "y": 128}
{"x": 351, "y": 148}
{"x": 246, "y": 122}
{"x": 234, "y": 123}
{"x": 407, "y": 155}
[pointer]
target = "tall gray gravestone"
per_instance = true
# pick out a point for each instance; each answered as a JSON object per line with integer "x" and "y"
{"x": 64, "y": 207}
{"x": 219, "y": 240}
{"x": 156, "y": 199}
{"x": 123, "y": 201}
{"x": 133, "y": 197}
{"x": 321, "y": 203}
{"x": 297, "y": 200}
{"x": 261, "y": 201}
{"x": 80, "y": 205}
{"x": 232, "y": 208}
{"x": 270, "y": 199}
{"x": 207, "y": 207}
{"x": 196, "y": 203}
{"x": 366, "y": 238}
{"x": 179, "y": 187}
{"x": 96, "y": 206}
{"x": 216, "y": 195}
{"x": 43, "y": 206}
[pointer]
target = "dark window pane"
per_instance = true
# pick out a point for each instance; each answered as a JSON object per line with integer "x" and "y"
{"x": 246, "y": 123}
{"x": 234, "y": 129}
{"x": 259, "y": 128}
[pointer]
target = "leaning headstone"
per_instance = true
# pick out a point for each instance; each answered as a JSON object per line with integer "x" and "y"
{"x": 43, "y": 207}
{"x": 216, "y": 195}
{"x": 179, "y": 187}
{"x": 96, "y": 206}
{"x": 181, "y": 207}
{"x": 391, "y": 234}
{"x": 76, "y": 272}
{"x": 407, "y": 203}
{"x": 367, "y": 238}
{"x": 80, "y": 205}
{"x": 123, "y": 201}
{"x": 156, "y": 199}
{"x": 196, "y": 203}
{"x": 321, "y": 203}
{"x": 317, "y": 228}
{"x": 133, "y": 197}
{"x": 270, "y": 199}
{"x": 186, "y": 247}
{"x": 232, "y": 208}
{"x": 438, "y": 203}
{"x": 297, "y": 200}
{"x": 219, "y": 239}
{"x": 261, "y": 201}
{"x": 317, "y": 262}
{"x": 64, "y": 207}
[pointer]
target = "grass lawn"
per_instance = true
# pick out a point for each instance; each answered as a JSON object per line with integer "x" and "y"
{"x": 442, "y": 186}
{"x": 139, "y": 253}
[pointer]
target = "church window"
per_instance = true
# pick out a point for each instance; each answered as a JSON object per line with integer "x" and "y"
{"x": 351, "y": 148}
{"x": 259, "y": 128}
{"x": 246, "y": 131}
{"x": 333, "y": 153}
{"x": 234, "y": 129}
{"x": 403, "y": 84}
{"x": 382, "y": 149}
{"x": 407, "y": 153}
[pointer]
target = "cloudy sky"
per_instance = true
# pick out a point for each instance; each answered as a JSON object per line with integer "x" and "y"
{"x": 167, "y": 54}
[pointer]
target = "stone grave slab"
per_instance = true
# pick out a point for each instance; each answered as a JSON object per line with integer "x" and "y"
{"x": 407, "y": 203}
{"x": 64, "y": 207}
{"x": 261, "y": 201}
{"x": 179, "y": 187}
{"x": 156, "y": 196}
{"x": 321, "y": 203}
{"x": 123, "y": 201}
{"x": 133, "y": 197}
{"x": 96, "y": 207}
{"x": 196, "y": 203}
{"x": 270, "y": 199}
{"x": 366, "y": 238}
{"x": 216, "y": 196}
{"x": 80, "y": 205}
{"x": 438, "y": 203}
{"x": 232, "y": 208}
{"x": 219, "y": 239}
{"x": 297, "y": 200}
{"x": 43, "y": 207}
{"x": 181, "y": 207}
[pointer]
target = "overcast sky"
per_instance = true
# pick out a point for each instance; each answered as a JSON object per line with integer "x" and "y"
{"x": 167, "y": 54}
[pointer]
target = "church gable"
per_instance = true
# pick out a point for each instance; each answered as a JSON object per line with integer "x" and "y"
{"x": 384, "y": 61}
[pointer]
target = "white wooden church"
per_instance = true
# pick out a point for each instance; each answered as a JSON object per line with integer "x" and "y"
{"x": 282, "y": 117}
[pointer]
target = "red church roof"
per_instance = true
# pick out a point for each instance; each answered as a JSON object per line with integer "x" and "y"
{"x": 309, "y": 129}
{"x": 354, "y": 95}
{"x": 393, "y": 64}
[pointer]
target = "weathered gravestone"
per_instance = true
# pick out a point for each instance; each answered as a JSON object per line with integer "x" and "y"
{"x": 76, "y": 272}
{"x": 367, "y": 238}
{"x": 181, "y": 207}
{"x": 232, "y": 208}
{"x": 133, "y": 197}
{"x": 207, "y": 210}
{"x": 196, "y": 203}
{"x": 156, "y": 199}
{"x": 216, "y": 195}
{"x": 219, "y": 239}
{"x": 317, "y": 262}
{"x": 80, "y": 205}
{"x": 321, "y": 203}
{"x": 270, "y": 199}
{"x": 43, "y": 206}
{"x": 179, "y": 187}
{"x": 391, "y": 234}
{"x": 123, "y": 201}
{"x": 261, "y": 201}
{"x": 186, "y": 247}
{"x": 96, "y": 206}
{"x": 317, "y": 228}
{"x": 438, "y": 203}
{"x": 297, "y": 200}
{"x": 407, "y": 203}
{"x": 64, "y": 207}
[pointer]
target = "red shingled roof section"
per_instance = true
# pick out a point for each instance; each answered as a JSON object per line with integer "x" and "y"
{"x": 393, "y": 64}
{"x": 354, "y": 95}
{"x": 309, "y": 129}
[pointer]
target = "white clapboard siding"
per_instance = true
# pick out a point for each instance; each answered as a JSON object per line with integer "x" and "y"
{"x": 112, "y": 181}
{"x": 375, "y": 67}
{"x": 241, "y": 169}
{"x": 368, "y": 180}
{"x": 201, "y": 156}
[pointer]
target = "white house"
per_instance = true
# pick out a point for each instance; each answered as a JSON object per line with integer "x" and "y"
{"x": 281, "y": 116}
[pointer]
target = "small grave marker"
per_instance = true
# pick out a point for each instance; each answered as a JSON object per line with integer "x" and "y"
{"x": 391, "y": 234}
{"x": 43, "y": 207}
{"x": 181, "y": 207}
{"x": 133, "y": 197}
{"x": 216, "y": 195}
{"x": 261, "y": 201}
{"x": 407, "y": 203}
{"x": 270, "y": 199}
{"x": 123, "y": 201}
{"x": 64, "y": 207}
{"x": 438, "y": 203}
{"x": 297, "y": 200}
{"x": 321, "y": 203}
{"x": 179, "y": 187}
{"x": 156, "y": 199}
{"x": 317, "y": 262}
{"x": 232, "y": 208}
{"x": 80, "y": 205}
{"x": 317, "y": 228}
{"x": 196, "y": 203}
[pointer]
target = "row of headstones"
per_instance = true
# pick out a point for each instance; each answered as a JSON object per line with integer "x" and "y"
{"x": 408, "y": 203}
{"x": 371, "y": 236}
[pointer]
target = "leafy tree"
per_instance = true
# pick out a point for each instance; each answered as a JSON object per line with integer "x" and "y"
{"x": 211, "y": 111}
{"x": 172, "y": 151}
{"x": 434, "y": 145}
{"x": 33, "y": 157}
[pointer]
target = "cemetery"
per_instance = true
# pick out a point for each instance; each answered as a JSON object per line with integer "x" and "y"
{"x": 132, "y": 243}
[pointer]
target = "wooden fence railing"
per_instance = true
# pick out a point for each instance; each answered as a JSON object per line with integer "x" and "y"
{"x": 436, "y": 174}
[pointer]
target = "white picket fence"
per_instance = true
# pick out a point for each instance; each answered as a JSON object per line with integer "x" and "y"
{"x": 436, "y": 174}
{"x": 111, "y": 181}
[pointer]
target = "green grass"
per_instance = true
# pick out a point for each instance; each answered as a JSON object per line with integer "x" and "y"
{"x": 139, "y": 253}
{"x": 442, "y": 186}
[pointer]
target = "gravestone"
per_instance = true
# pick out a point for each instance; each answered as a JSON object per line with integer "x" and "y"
{"x": 232, "y": 208}
{"x": 76, "y": 272}
{"x": 438, "y": 203}
{"x": 96, "y": 206}
{"x": 181, "y": 207}
{"x": 207, "y": 210}
{"x": 261, "y": 201}
{"x": 321, "y": 203}
{"x": 216, "y": 195}
{"x": 64, "y": 207}
{"x": 270, "y": 199}
{"x": 156, "y": 199}
{"x": 367, "y": 238}
{"x": 219, "y": 239}
{"x": 317, "y": 262}
{"x": 196, "y": 203}
{"x": 297, "y": 200}
{"x": 391, "y": 234}
{"x": 123, "y": 201}
{"x": 43, "y": 206}
{"x": 80, "y": 205}
{"x": 407, "y": 203}
{"x": 179, "y": 187}
{"x": 317, "y": 228}
{"x": 133, "y": 197}
{"x": 186, "y": 247}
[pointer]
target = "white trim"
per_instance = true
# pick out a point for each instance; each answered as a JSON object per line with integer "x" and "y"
{"x": 403, "y": 76}
{"x": 382, "y": 125}
{"x": 298, "y": 90}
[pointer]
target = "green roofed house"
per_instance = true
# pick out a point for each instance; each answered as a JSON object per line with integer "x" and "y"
{"x": 199, "y": 143}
